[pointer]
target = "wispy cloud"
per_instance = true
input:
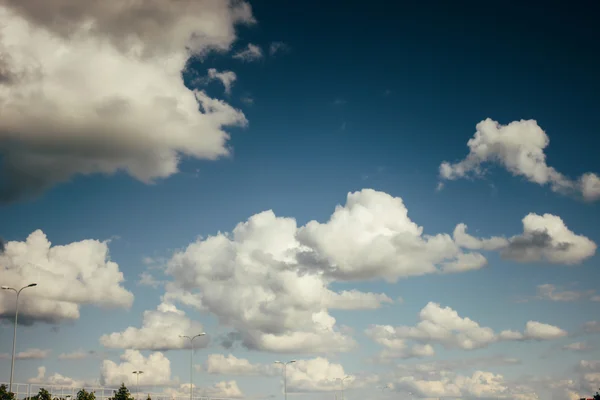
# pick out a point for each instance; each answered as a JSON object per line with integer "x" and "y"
{"x": 250, "y": 53}
{"x": 29, "y": 354}
{"x": 278, "y": 47}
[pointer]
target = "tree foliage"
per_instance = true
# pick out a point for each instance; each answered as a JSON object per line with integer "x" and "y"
{"x": 43, "y": 394}
{"x": 85, "y": 395}
{"x": 5, "y": 394}
{"x": 122, "y": 394}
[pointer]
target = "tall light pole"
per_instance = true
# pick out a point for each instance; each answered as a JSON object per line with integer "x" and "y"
{"x": 138, "y": 373}
{"x": 342, "y": 381}
{"x": 191, "y": 339}
{"x": 18, "y": 292}
{"x": 285, "y": 375}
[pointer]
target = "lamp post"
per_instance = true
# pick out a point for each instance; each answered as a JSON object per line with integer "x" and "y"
{"x": 18, "y": 292}
{"x": 342, "y": 382}
{"x": 138, "y": 373}
{"x": 285, "y": 375}
{"x": 191, "y": 339}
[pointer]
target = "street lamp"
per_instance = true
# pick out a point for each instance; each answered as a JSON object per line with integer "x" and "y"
{"x": 342, "y": 382}
{"x": 18, "y": 292}
{"x": 191, "y": 339}
{"x": 285, "y": 375}
{"x": 138, "y": 373}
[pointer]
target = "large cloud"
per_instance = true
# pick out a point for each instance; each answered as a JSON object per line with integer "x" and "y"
{"x": 479, "y": 385}
{"x": 95, "y": 87}
{"x": 443, "y": 325}
{"x": 68, "y": 276}
{"x": 544, "y": 238}
{"x": 161, "y": 330}
{"x": 519, "y": 147}
{"x": 318, "y": 375}
{"x": 156, "y": 368}
{"x": 270, "y": 279}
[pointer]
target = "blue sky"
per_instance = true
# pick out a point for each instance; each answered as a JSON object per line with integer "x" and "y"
{"x": 105, "y": 151}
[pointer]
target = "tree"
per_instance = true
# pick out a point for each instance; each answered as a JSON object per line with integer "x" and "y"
{"x": 5, "y": 394}
{"x": 43, "y": 394}
{"x": 149, "y": 398}
{"x": 597, "y": 396}
{"x": 122, "y": 394}
{"x": 85, "y": 395}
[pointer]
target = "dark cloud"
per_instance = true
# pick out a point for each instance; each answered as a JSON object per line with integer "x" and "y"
{"x": 2, "y": 246}
{"x": 527, "y": 247}
{"x": 229, "y": 340}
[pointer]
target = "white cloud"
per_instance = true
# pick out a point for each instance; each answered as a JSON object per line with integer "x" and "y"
{"x": 250, "y": 53}
{"x": 479, "y": 385}
{"x": 463, "y": 239}
{"x": 68, "y": 277}
{"x": 160, "y": 331}
{"x": 227, "y": 78}
{"x": 371, "y": 236}
{"x": 316, "y": 375}
{"x": 269, "y": 279}
{"x": 55, "y": 380}
{"x": 518, "y": 147}
{"x": 29, "y": 354}
{"x": 540, "y": 331}
{"x": 75, "y": 355}
{"x": 544, "y": 238}
{"x": 243, "y": 279}
{"x": 219, "y": 364}
{"x": 444, "y": 326}
{"x": 156, "y": 368}
{"x": 112, "y": 71}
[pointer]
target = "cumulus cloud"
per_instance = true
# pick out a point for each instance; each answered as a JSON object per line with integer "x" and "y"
{"x": 479, "y": 385}
{"x": 160, "y": 330}
{"x": 444, "y": 326}
{"x": 219, "y": 364}
{"x": 250, "y": 53}
{"x": 29, "y": 354}
{"x": 68, "y": 276}
{"x": 518, "y": 147}
{"x": 544, "y": 238}
{"x": 227, "y": 78}
{"x": 55, "y": 380}
{"x": 269, "y": 279}
{"x": 316, "y": 375}
{"x": 371, "y": 236}
{"x": 156, "y": 367}
{"x": 95, "y": 88}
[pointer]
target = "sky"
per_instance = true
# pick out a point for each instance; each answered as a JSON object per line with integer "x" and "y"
{"x": 404, "y": 194}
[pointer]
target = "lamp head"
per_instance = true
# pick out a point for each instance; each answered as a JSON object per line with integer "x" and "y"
{"x": 4, "y": 287}
{"x": 32, "y": 285}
